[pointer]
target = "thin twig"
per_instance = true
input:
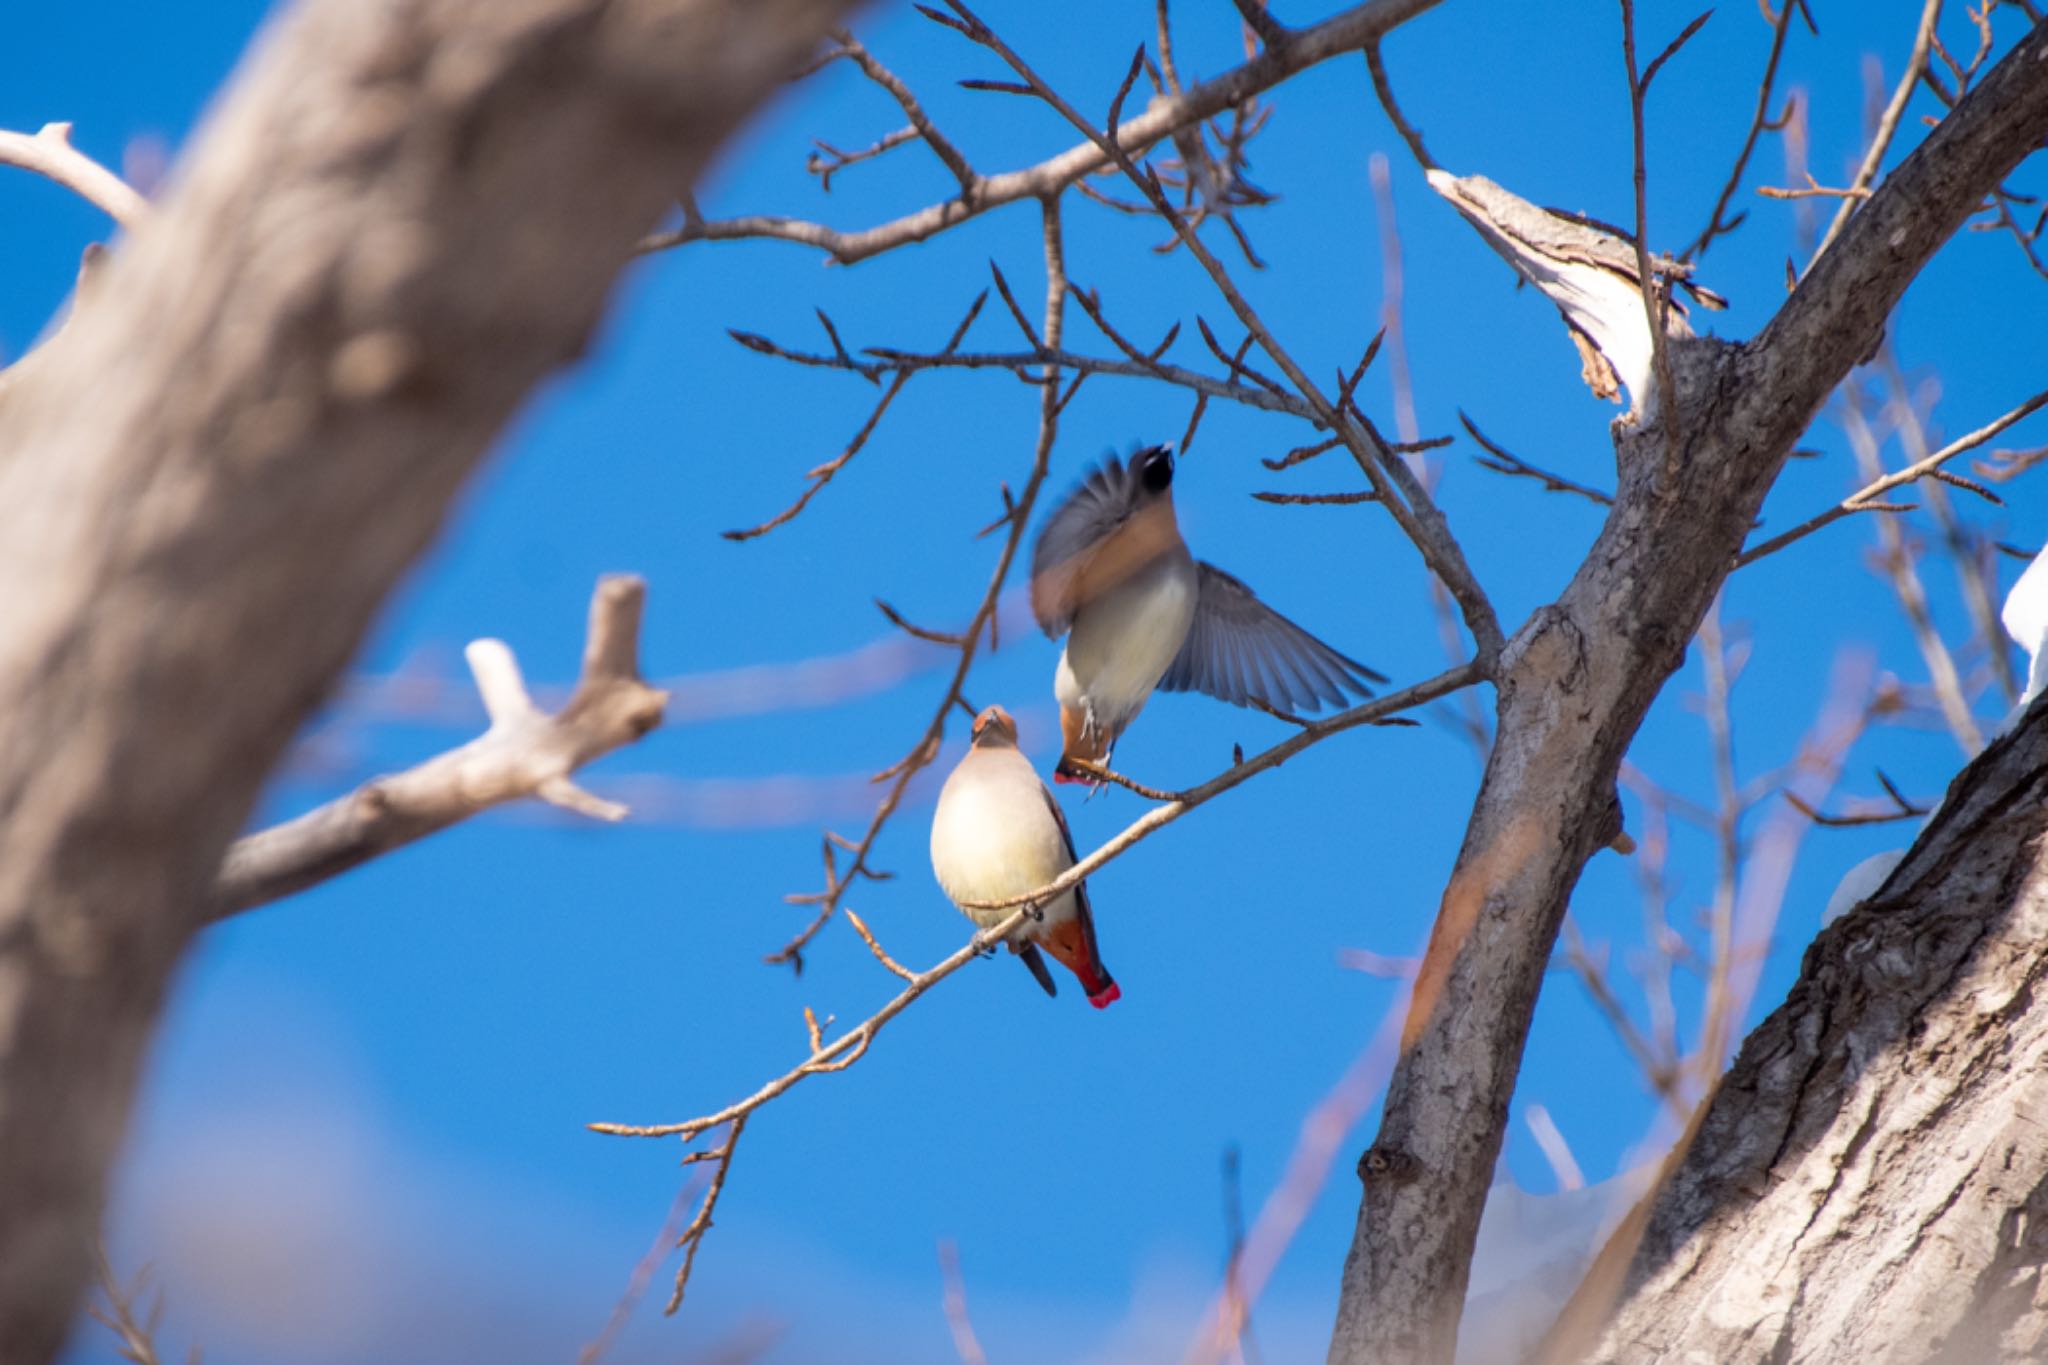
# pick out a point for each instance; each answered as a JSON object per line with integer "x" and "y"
{"x": 1862, "y": 498}
{"x": 965, "y": 1344}
{"x": 1505, "y": 462}
{"x": 135, "y": 1330}
{"x": 824, "y": 473}
{"x": 1336, "y": 36}
{"x": 920, "y": 122}
{"x": 1311, "y": 732}
{"x": 1887, "y": 125}
{"x": 1384, "y": 88}
{"x": 1656, "y": 294}
{"x": 1018, "y": 514}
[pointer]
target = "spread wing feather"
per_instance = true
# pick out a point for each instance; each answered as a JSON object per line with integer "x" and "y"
{"x": 1240, "y": 650}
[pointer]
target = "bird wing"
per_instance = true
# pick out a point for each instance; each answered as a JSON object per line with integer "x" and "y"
{"x": 1073, "y": 941}
{"x": 1059, "y": 817}
{"x": 1094, "y": 511}
{"x": 1242, "y": 651}
{"x": 1033, "y": 959}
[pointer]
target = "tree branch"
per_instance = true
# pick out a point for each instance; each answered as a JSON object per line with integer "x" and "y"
{"x": 1574, "y": 685}
{"x": 49, "y": 153}
{"x": 1817, "y": 1133}
{"x": 524, "y": 753}
{"x": 219, "y": 471}
{"x": 1165, "y": 116}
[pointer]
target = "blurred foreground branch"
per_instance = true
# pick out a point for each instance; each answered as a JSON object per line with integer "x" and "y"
{"x": 218, "y": 472}
{"x": 525, "y": 752}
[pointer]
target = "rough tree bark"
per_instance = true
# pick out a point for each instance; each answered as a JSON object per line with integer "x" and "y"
{"x": 1574, "y": 684}
{"x": 398, "y": 221}
{"x": 1813, "y": 1218}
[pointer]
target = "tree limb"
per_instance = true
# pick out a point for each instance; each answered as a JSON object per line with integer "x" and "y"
{"x": 1296, "y": 51}
{"x": 1816, "y": 1137}
{"x": 524, "y": 753}
{"x": 1575, "y": 683}
{"x": 220, "y": 470}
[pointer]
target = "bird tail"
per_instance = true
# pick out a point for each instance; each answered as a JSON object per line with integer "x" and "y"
{"x": 1083, "y": 741}
{"x": 1036, "y": 962}
{"x": 1072, "y": 941}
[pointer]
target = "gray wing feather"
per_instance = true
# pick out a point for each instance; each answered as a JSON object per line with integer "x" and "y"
{"x": 1240, "y": 650}
{"x": 1067, "y": 837}
{"x": 1098, "y": 505}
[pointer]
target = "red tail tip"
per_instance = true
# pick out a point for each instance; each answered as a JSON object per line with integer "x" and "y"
{"x": 1061, "y": 775}
{"x": 1107, "y": 996}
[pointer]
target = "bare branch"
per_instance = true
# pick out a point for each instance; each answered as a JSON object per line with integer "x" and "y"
{"x": 1343, "y": 33}
{"x": 965, "y": 1344}
{"x": 825, "y": 472}
{"x": 1384, "y": 88}
{"x": 1311, "y": 732}
{"x": 920, "y": 122}
{"x": 1887, "y": 125}
{"x": 1656, "y": 300}
{"x": 525, "y": 753}
{"x": 1671, "y": 49}
{"x": 48, "y": 152}
{"x": 1506, "y": 462}
{"x": 1018, "y": 516}
{"x": 1862, "y": 498}
{"x": 1414, "y": 510}
{"x": 190, "y": 556}
{"x": 1759, "y": 122}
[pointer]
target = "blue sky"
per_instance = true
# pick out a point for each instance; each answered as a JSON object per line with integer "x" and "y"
{"x": 362, "y": 1130}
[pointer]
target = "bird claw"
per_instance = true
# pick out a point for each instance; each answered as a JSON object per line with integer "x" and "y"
{"x": 984, "y": 943}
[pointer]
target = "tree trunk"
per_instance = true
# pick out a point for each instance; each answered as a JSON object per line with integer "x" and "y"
{"x": 1870, "y": 1182}
{"x": 1574, "y": 684}
{"x": 400, "y": 219}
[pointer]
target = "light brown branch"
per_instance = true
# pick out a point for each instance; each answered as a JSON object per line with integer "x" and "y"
{"x": 833, "y": 1056}
{"x": 1342, "y": 33}
{"x": 1311, "y": 732}
{"x": 1656, "y": 296}
{"x": 965, "y": 1344}
{"x": 211, "y": 487}
{"x": 919, "y": 120}
{"x": 1574, "y": 686}
{"x": 524, "y": 753}
{"x": 1759, "y": 123}
{"x": 48, "y": 152}
{"x": 1887, "y": 125}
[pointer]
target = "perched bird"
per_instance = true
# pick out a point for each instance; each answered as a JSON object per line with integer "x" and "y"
{"x": 1111, "y": 571}
{"x": 998, "y": 833}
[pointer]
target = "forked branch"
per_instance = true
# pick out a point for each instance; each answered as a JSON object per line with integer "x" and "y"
{"x": 525, "y": 753}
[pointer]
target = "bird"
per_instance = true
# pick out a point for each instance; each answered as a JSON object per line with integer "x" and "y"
{"x": 998, "y": 833}
{"x": 1111, "y": 572}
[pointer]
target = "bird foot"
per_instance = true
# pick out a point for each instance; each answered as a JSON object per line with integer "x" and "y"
{"x": 984, "y": 943}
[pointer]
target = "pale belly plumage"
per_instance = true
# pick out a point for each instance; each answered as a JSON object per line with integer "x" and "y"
{"x": 996, "y": 839}
{"x": 1123, "y": 642}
